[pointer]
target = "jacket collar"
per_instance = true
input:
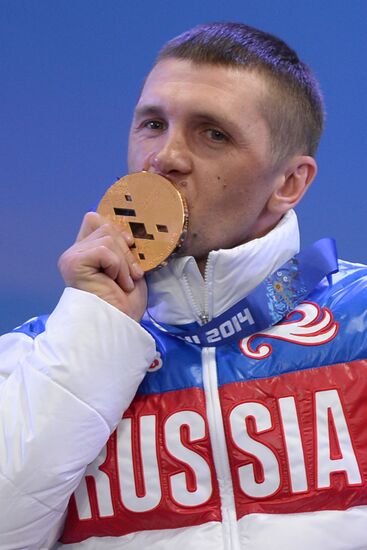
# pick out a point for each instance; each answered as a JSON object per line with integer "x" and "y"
{"x": 178, "y": 294}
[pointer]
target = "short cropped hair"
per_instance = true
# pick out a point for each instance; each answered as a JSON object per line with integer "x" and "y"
{"x": 293, "y": 108}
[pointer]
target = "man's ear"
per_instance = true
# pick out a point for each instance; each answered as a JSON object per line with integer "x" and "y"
{"x": 293, "y": 183}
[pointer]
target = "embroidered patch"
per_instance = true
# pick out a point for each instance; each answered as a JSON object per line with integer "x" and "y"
{"x": 157, "y": 363}
{"x": 307, "y": 325}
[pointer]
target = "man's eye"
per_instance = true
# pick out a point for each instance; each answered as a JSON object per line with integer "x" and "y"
{"x": 216, "y": 135}
{"x": 154, "y": 125}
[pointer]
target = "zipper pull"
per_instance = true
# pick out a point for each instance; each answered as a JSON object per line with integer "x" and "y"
{"x": 204, "y": 318}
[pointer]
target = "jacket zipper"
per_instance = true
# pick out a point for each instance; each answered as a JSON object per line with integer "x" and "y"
{"x": 201, "y": 311}
{"x": 215, "y": 419}
{"x": 220, "y": 453}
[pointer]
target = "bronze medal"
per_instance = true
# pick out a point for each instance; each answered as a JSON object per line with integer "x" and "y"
{"x": 152, "y": 209}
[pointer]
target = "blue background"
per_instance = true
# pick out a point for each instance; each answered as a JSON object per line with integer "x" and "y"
{"x": 70, "y": 73}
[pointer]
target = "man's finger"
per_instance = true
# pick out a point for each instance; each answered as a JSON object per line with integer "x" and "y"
{"x": 119, "y": 239}
{"x": 91, "y": 222}
{"x": 125, "y": 241}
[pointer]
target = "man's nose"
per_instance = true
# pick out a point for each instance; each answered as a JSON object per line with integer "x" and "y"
{"x": 172, "y": 156}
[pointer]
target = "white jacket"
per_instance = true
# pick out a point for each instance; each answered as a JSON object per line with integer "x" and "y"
{"x": 63, "y": 393}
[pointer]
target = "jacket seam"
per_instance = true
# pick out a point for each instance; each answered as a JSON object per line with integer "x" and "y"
{"x": 66, "y": 390}
{"x": 247, "y": 380}
{"x": 23, "y": 494}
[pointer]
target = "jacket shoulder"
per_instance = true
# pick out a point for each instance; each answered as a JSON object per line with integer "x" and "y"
{"x": 351, "y": 269}
{"x": 350, "y": 280}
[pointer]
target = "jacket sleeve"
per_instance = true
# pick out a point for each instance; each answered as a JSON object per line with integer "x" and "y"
{"x": 62, "y": 394}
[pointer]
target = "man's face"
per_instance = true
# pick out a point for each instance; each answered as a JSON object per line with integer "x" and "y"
{"x": 200, "y": 126}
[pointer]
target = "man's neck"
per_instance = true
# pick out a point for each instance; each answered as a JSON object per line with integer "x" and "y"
{"x": 202, "y": 264}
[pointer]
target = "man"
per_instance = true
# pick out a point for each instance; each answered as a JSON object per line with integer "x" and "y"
{"x": 250, "y": 435}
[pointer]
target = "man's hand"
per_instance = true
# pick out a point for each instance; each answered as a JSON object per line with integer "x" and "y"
{"x": 102, "y": 263}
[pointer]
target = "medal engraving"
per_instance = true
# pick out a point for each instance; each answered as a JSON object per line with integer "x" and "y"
{"x": 150, "y": 208}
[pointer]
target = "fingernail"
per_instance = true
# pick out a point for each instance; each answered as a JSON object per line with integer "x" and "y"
{"x": 137, "y": 269}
